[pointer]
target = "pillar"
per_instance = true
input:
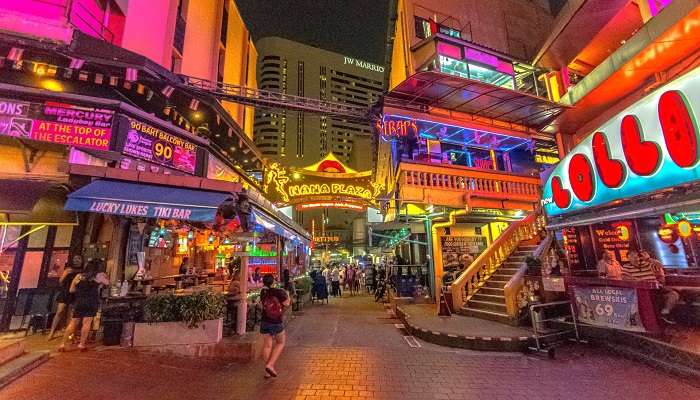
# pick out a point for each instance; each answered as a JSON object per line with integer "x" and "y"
{"x": 242, "y": 314}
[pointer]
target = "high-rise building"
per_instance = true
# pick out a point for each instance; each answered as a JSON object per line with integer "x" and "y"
{"x": 300, "y": 139}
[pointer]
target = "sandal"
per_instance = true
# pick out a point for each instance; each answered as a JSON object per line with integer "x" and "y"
{"x": 82, "y": 348}
{"x": 271, "y": 372}
{"x": 61, "y": 349}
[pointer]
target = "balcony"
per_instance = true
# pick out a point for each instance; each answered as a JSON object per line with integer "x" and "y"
{"x": 458, "y": 187}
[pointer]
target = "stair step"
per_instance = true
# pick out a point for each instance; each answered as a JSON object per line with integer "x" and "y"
{"x": 507, "y": 271}
{"x": 512, "y": 264}
{"x": 521, "y": 253}
{"x": 513, "y": 258}
{"x": 487, "y": 305}
{"x": 501, "y": 277}
{"x": 495, "y": 284}
{"x": 527, "y": 247}
{"x": 491, "y": 291}
{"x": 10, "y": 349}
{"x": 21, "y": 365}
{"x": 487, "y": 315}
{"x": 488, "y": 298}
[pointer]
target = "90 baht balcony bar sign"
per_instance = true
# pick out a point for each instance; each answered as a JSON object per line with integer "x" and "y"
{"x": 59, "y": 123}
{"x": 459, "y": 251}
{"x": 149, "y": 143}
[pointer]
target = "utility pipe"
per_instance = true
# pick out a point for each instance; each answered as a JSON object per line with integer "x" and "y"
{"x": 437, "y": 250}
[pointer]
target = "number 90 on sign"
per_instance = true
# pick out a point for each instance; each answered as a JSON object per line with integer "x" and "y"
{"x": 606, "y": 309}
{"x": 162, "y": 151}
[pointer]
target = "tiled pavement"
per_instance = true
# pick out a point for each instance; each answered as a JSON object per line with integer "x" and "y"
{"x": 350, "y": 349}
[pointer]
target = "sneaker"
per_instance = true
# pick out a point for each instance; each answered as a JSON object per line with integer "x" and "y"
{"x": 667, "y": 320}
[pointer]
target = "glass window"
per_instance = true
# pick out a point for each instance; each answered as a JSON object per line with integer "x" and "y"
{"x": 31, "y": 269}
{"x": 491, "y": 76}
{"x": 451, "y": 66}
{"x": 59, "y": 258}
{"x": 445, "y": 30}
{"x": 63, "y": 236}
{"x": 423, "y": 29}
{"x": 37, "y": 240}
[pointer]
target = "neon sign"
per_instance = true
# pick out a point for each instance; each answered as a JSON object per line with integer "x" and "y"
{"x": 328, "y": 183}
{"x": 390, "y": 128}
{"x": 331, "y": 204}
{"x": 334, "y": 188}
{"x": 652, "y": 145}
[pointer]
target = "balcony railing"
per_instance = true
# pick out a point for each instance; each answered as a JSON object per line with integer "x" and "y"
{"x": 428, "y": 182}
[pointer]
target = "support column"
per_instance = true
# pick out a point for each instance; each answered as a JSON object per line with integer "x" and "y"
{"x": 242, "y": 314}
{"x": 431, "y": 263}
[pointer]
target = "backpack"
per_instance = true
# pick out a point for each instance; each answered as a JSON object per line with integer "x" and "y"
{"x": 272, "y": 308}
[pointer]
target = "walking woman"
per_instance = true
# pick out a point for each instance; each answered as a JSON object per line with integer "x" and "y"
{"x": 274, "y": 301}
{"x": 65, "y": 297}
{"x": 86, "y": 289}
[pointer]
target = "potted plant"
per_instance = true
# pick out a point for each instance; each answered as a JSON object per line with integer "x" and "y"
{"x": 195, "y": 318}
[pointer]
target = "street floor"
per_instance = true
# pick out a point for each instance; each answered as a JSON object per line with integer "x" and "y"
{"x": 350, "y": 349}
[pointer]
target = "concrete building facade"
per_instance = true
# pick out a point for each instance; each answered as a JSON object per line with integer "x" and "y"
{"x": 300, "y": 139}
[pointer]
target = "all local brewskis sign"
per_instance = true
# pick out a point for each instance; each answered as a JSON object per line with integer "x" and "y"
{"x": 653, "y": 144}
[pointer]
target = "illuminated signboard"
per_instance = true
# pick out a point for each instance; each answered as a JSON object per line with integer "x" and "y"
{"x": 652, "y": 145}
{"x": 58, "y": 123}
{"x": 391, "y": 127}
{"x": 363, "y": 64}
{"x": 155, "y": 145}
{"x": 328, "y": 181}
{"x": 330, "y": 204}
{"x": 326, "y": 239}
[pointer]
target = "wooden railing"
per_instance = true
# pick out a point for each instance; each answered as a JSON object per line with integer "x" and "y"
{"x": 476, "y": 275}
{"x": 477, "y": 182}
{"x": 515, "y": 284}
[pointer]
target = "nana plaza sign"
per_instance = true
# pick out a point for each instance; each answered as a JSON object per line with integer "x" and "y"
{"x": 652, "y": 145}
{"x": 328, "y": 182}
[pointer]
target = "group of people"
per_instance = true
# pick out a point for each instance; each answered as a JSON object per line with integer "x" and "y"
{"x": 78, "y": 299}
{"x": 339, "y": 277}
{"x": 640, "y": 266}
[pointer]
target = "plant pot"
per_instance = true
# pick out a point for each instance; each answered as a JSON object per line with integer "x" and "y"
{"x": 177, "y": 333}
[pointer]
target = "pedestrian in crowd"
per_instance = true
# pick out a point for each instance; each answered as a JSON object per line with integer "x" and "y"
{"x": 350, "y": 280}
{"x": 185, "y": 266}
{"x": 356, "y": 281}
{"x": 256, "y": 278}
{"x": 273, "y": 301}
{"x": 288, "y": 284}
{"x": 64, "y": 309}
{"x": 335, "y": 282}
{"x": 327, "y": 276}
{"x": 86, "y": 288}
{"x": 343, "y": 272}
{"x": 608, "y": 267}
{"x": 641, "y": 266}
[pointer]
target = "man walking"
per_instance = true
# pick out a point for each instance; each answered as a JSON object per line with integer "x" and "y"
{"x": 274, "y": 301}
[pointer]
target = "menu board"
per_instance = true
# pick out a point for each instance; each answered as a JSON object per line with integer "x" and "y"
{"x": 155, "y": 145}
{"x": 456, "y": 248}
{"x": 573, "y": 248}
{"x": 58, "y": 123}
{"x": 615, "y": 237}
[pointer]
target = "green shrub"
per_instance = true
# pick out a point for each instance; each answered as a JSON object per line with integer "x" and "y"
{"x": 303, "y": 283}
{"x": 190, "y": 309}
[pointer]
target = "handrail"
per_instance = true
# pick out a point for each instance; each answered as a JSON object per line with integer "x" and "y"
{"x": 516, "y": 282}
{"x": 476, "y": 275}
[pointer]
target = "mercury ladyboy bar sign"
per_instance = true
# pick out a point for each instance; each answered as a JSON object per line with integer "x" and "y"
{"x": 651, "y": 145}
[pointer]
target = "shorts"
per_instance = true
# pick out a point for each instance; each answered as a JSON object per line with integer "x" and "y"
{"x": 270, "y": 328}
{"x": 85, "y": 310}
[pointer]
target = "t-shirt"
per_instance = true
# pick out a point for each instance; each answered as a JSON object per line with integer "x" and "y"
{"x": 335, "y": 275}
{"x": 326, "y": 274}
{"x": 281, "y": 296}
{"x": 350, "y": 275}
{"x": 642, "y": 272}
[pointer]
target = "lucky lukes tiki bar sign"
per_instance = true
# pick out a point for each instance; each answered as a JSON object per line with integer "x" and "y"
{"x": 652, "y": 145}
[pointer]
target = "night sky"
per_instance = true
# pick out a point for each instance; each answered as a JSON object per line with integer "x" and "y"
{"x": 355, "y": 28}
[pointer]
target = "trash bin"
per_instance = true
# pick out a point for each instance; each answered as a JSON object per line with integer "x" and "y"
{"x": 112, "y": 331}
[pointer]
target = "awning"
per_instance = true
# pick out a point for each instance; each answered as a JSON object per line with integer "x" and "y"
{"x": 27, "y": 202}
{"x": 148, "y": 201}
{"x": 435, "y": 89}
{"x": 676, "y": 203}
{"x": 263, "y": 219}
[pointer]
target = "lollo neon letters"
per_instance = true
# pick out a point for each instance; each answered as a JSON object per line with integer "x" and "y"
{"x": 652, "y": 145}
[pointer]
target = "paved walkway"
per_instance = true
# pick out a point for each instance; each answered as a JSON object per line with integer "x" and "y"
{"x": 350, "y": 349}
